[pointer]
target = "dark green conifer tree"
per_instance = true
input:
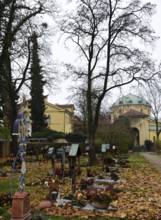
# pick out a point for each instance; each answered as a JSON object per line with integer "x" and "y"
{"x": 37, "y": 104}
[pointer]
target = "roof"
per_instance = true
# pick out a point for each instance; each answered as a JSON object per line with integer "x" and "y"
{"x": 66, "y": 106}
{"x": 54, "y": 106}
{"x": 63, "y": 108}
{"x": 134, "y": 114}
{"x": 131, "y": 99}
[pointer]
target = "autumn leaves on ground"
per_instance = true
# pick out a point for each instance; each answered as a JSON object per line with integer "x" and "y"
{"x": 138, "y": 197}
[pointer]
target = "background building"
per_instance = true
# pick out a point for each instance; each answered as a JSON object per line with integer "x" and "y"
{"x": 138, "y": 110}
{"x": 60, "y": 117}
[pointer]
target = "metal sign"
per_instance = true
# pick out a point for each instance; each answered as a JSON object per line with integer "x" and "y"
{"x": 103, "y": 149}
{"x": 74, "y": 150}
{"x": 107, "y": 146}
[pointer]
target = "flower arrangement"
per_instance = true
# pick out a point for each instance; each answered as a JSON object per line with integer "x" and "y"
{"x": 77, "y": 199}
{"x": 86, "y": 182}
{"x": 91, "y": 172}
{"x": 101, "y": 196}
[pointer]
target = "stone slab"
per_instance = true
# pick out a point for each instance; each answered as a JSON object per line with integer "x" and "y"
{"x": 106, "y": 181}
{"x": 90, "y": 207}
{"x": 62, "y": 202}
{"x": 45, "y": 204}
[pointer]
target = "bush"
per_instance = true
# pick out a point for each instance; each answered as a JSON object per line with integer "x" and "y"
{"x": 75, "y": 138}
{"x": 49, "y": 134}
{"x": 148, "y": 145}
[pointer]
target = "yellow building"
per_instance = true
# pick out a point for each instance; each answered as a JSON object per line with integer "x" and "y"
{"x": 138, "y": 110}
{"x": 60, "y": 117}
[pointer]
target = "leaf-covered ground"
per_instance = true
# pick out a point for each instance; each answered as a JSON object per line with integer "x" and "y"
{"x": 139, "y": 196}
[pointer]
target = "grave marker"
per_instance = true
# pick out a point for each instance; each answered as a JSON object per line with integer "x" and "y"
{"x": 73, "y": 154}
{"x": 104, "y": 149}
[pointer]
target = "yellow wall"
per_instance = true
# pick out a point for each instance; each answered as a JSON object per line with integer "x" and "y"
{"x": 142, "y": 124}
{"x": 121, "y": 109}
{"x": 152, "y": 130}
{"x": 61, "y": 119}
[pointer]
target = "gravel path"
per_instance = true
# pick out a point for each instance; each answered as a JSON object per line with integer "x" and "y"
{"x": 153, "y": 159}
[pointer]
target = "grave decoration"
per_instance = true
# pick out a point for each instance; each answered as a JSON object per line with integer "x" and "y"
{"x": 101, "y": 198}
{"x": 110, "y": 164}
{"x": 91, "y": 172}
{"x": 21, "y": 128}
{"x": 84, "y": 183}
{"x": 79, "y": 200}
{"x": 114, "y": 176}
{"x": 74, "y": 154}
{"x": 123, "y": 162}
{"x": 53, "y": 189}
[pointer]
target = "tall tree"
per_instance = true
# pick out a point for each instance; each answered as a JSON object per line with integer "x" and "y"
{"x": 37, "y": 103}
{"x": 104, "y": 32}
{"x": 16, "y": 24}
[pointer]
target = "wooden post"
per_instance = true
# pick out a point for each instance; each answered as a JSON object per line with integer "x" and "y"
{"x": 63, "y": 165}
{"x": 53, "y": 165}
{"x": 73, "y": 164}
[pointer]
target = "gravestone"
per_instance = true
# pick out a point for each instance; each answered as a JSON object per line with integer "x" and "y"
{"x": 21, "y": 206}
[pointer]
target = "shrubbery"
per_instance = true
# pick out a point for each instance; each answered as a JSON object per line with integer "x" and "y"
{"x": 75, "y": 138}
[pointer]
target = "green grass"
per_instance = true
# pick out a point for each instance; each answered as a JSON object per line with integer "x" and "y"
{"x": 136, "y": 160}
{"x": 5, "y": 186}
{"x": 4, "y": 214}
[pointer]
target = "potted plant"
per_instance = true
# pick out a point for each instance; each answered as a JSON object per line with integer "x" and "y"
{"x": 101, "y": 198}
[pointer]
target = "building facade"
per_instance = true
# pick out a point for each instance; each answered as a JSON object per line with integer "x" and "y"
{"x": 138, "y": 110}
{"x": 59, "y": 117}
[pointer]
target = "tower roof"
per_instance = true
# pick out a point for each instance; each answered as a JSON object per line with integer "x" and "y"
{"x": 134, "y": 114}
{"x": 131, "y": 99}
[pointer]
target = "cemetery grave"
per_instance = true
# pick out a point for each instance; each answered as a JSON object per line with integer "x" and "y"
{"x": 136, "y": 192}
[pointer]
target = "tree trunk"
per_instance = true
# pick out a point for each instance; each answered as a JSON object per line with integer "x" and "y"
{"x": 92, "y": 150}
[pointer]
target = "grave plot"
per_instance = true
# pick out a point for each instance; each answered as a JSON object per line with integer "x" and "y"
{"x": 138, "y": 191}
{"x": 90, "y": 194}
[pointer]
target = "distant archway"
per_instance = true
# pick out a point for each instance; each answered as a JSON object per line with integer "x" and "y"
{"x": 136, "y": 135}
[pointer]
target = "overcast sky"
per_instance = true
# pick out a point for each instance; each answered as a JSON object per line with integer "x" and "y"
{"x": 66, "y": 55}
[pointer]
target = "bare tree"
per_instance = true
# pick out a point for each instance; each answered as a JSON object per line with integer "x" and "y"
{"x": 79, "y": 98}
{"x": 104, "y": 32}
{"x": 152, "y": 92}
